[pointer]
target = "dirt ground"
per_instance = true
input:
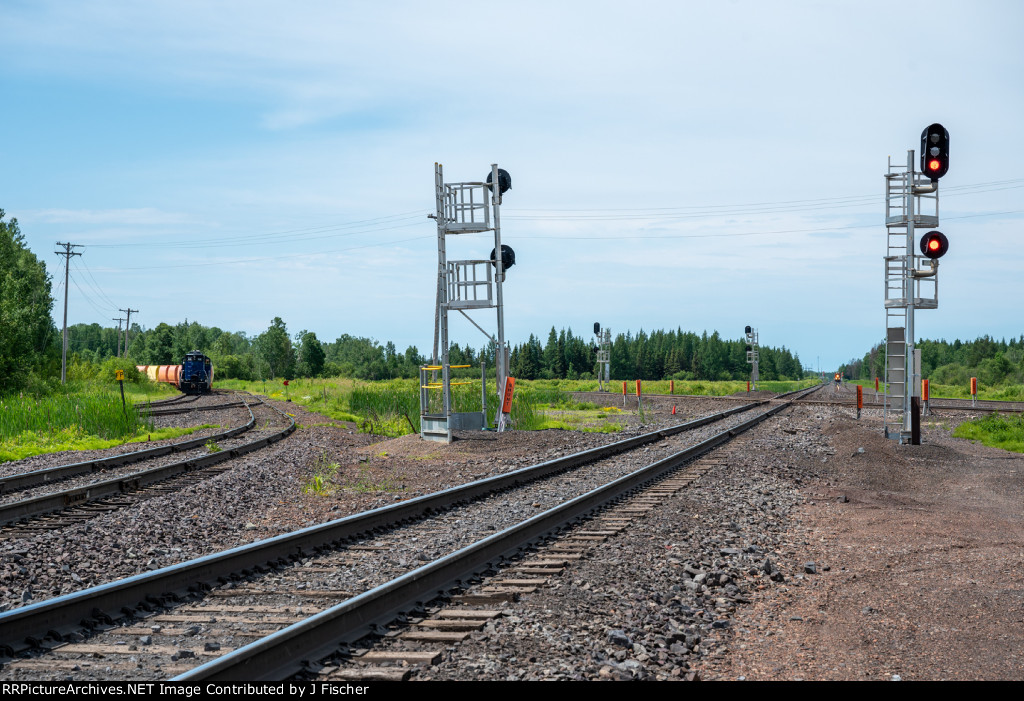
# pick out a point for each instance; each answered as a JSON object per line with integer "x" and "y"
{"x": 919, "y": 559}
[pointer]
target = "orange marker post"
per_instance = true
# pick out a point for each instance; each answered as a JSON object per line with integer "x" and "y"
{"x": 924, "y": 396}
{"x": 860, "y": 399}
{"x": 623, "y": 394}
{"x": 671, "y": 386}
{"x": 974, "y": 391}
{"x": 506, "y": 401}
{"x": 639, "y": 406}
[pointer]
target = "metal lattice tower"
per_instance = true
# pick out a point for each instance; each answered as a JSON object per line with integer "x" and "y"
{"x": 906, "y": 289}
{"x": 463, "y": 285}
{"x": 753, "y": 356}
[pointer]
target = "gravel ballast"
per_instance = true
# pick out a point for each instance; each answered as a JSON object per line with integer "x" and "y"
{"x": 801, "y": 557}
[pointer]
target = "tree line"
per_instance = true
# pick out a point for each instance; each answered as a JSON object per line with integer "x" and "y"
{"x": 277, "y": 354}
{"x": 659, "y": 355}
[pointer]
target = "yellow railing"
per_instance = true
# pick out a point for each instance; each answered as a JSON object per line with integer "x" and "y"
{"x": 439, "y": 385}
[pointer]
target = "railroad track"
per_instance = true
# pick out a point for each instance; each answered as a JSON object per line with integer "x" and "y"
{"x": 181, "y": 398}
{"x": 186, "y": 410}
{"x": 266, "y": 590}
{"x": 22, "y": 511}
{"x": 847, "y": 397}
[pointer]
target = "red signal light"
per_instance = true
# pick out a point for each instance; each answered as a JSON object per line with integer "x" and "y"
{"x": 935, "y": 151}
{"x": 934, "y": 244}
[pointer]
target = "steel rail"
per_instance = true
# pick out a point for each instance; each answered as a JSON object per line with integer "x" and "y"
{"x": 185, "y": 410}
{"x": 285, "y": 652}
{"x": 58, "y": 501}
{"x": 28, "y": 626}
{"x": 165, "y": 402}
{"x": 61, "y": 472}
{"x": 653, "y": 395}
{"x": 945, "y": 403}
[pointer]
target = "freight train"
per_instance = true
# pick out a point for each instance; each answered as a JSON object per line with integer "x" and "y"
{"x": 193, "y": 376}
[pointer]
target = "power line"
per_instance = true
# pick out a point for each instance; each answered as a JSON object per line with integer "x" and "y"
{"x": 96, "y": 286}
{"x": 88, "y": 298}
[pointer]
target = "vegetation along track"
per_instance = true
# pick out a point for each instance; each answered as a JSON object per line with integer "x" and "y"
{"x": 341, "y": 572}
{"x": 82, "y": 496}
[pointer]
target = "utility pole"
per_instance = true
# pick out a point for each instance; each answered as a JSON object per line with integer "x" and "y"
{"x": 118, "y": 320}
{"x": 127, "y": 325}
{"x": 67, "y": 253}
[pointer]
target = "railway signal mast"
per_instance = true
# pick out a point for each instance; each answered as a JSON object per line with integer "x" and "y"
{"x": 464, "y": 285}
{"x": 910, "y": 201}
{"x": 752, "y": 355}
{"x": 604, "y": 356}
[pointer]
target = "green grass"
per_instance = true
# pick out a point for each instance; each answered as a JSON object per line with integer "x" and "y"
{"x": 995, "y": 430}
{"x": 82, "y": 420}
{"x": 1010, "y": 393}
{"x": 29, "y": 443}
{"x": 391, "y": 407}
{"x": 95, "y": 413}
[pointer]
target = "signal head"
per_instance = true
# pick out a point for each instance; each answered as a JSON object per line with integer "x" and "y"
{"x": 504, "y": 181}
{"x": 935, "y": 151}
{"x": 508, "y": 257}
{"x": 934, "y": 245}
{"x": 597, "y": 328}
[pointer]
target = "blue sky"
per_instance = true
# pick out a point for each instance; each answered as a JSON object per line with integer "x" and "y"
{"x": 674, "y": 164}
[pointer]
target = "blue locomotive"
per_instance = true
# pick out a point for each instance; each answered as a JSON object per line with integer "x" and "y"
{"x": 196, "y": 374}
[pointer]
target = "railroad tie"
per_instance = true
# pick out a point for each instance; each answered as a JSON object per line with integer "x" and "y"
{"x": 434, "y": 636}
{"x": 486, "y": 598}
{"x": 102, "y": 650}
{"x": 369, "y": 674}
{"x": 424, "y": 657}
{"x": 453, "y": 624}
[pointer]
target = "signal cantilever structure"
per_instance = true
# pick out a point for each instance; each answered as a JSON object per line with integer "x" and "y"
{"x": 906, "y": 287}
{"x": 463, "y": 285}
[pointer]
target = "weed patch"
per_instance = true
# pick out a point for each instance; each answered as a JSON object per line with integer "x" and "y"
{"x": 995, "y": 430}
{"x": 324, "y": 474}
